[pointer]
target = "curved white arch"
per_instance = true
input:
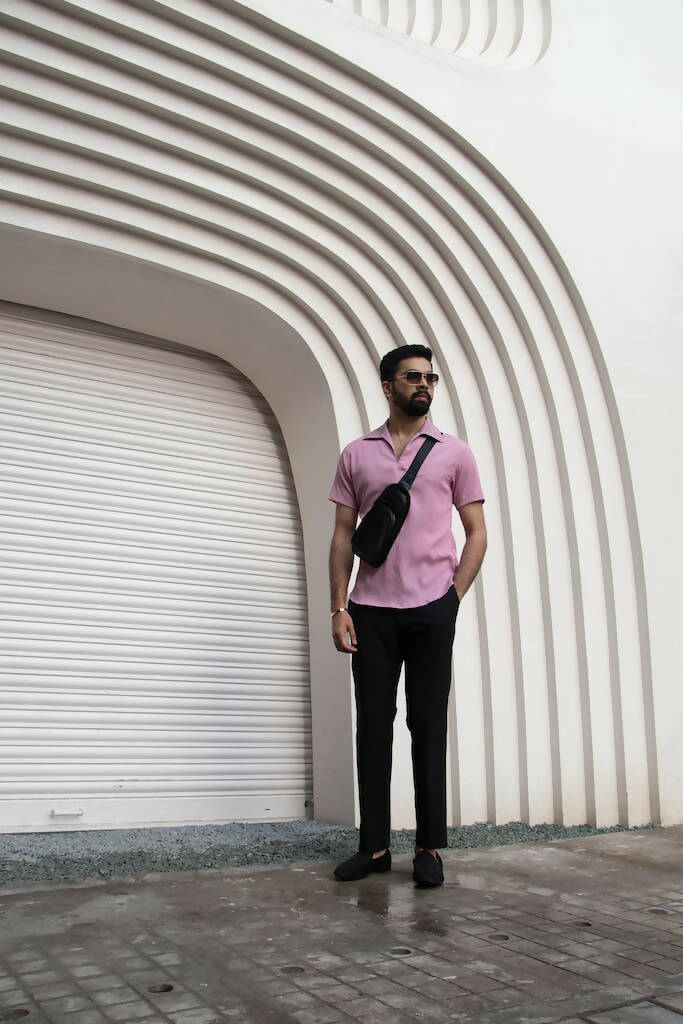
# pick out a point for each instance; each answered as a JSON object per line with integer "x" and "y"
{"x": 231, "y": 151}
{"x": 508, "y": 33}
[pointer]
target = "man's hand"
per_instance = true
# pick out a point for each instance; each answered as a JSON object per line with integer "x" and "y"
{"x": 341, "y": 564}
{"x": 342, "y": 623}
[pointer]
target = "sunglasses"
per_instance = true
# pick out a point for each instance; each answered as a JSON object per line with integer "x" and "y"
{"x": 415, "y": 377}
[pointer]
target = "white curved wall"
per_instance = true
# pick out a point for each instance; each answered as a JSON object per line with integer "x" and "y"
{"x": 202, "y": 173}
{"x": 516, "y": 34}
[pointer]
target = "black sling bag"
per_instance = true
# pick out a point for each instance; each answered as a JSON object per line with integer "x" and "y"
{"x": 380, "y": 527}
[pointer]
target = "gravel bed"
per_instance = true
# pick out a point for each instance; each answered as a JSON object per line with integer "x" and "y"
{"x": 75, "y": 856}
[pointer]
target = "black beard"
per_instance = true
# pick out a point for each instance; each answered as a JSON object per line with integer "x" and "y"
{"x": 417, "y": 405}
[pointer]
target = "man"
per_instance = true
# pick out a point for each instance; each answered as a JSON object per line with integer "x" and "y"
{"x": 403, "y": 612}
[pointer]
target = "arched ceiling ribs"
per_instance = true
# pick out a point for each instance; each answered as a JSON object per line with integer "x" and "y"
{"x": 503, "y": 33}
{"x": 440, "y": 228}
{"x": 375, "y": 186}
{"x": 435, "y": 198}
{"x": 425, "y": 118}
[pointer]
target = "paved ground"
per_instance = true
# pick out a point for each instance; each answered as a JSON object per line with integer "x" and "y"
{"x": 588, "y": 929}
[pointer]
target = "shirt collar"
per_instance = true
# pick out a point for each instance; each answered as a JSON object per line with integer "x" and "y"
{"x": 428, "y": 430}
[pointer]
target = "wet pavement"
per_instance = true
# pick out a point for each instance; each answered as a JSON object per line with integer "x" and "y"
{"x": 588, "y": 929}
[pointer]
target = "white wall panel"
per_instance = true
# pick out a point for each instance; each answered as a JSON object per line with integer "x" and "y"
{"x": 154, "y": 634}
{"x": 516, "y": 32}
{"x": 331, "y": 185}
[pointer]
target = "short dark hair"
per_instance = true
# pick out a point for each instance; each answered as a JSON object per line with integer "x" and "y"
{"x": 389, "y": 363}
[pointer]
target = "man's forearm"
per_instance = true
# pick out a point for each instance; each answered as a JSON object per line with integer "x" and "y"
{"x": 341, "y": 564}
{"x": 470, "y": 562}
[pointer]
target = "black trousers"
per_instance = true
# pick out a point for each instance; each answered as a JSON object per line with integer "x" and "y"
{"x": 422, "y": 638}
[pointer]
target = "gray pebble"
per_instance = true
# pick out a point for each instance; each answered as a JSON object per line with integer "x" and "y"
{"x": 74, "y": 856}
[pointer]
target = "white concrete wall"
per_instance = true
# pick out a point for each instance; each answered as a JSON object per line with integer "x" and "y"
{"x": 298, "y": 188}
{"x": 514, "y": 32}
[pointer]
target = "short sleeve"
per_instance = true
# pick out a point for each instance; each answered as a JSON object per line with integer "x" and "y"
{"x": 342, "y": 488}
{"x": 466, "y": 482}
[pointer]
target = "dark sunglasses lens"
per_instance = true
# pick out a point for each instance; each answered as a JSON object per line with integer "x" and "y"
{"x": 415, "y": 377}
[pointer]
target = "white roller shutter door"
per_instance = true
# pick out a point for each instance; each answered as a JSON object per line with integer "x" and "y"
{"x": 154, "y": 658}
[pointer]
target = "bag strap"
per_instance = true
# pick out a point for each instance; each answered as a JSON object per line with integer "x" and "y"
{"x": 408, "y": 478}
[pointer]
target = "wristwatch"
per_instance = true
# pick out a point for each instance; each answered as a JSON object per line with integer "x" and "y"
{"x": 339, "y": 610}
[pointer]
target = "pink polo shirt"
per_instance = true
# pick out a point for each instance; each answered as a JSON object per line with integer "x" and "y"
{"x": 423, "y": 559}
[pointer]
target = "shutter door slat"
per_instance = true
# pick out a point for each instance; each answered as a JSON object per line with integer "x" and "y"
{"x": 147, "y": 521}
{"x": 53, "y": 401}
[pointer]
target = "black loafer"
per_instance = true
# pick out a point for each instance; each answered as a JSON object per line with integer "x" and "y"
{"x": 361, "y": 865}
{"x": 427, "y": 870}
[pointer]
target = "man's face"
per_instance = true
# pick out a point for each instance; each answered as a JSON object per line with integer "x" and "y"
{"x": 412, "y": 399}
